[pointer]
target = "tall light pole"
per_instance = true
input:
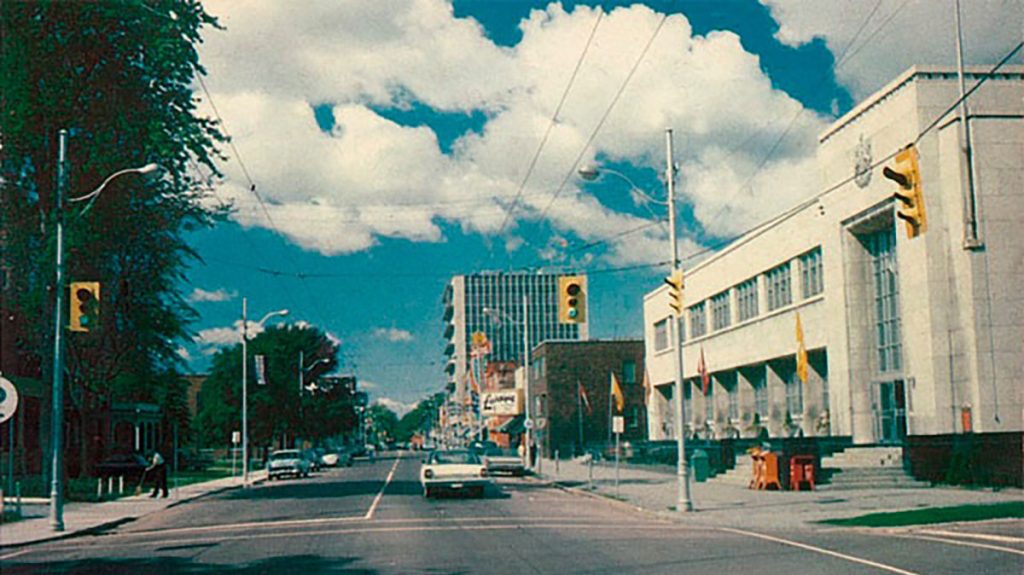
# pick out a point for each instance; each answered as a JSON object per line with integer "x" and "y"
{"x": 528, "y": 423}
{"x": 245, "y": 385}
{"x": 590, "y": 173}
{"x": 57, "y": 409}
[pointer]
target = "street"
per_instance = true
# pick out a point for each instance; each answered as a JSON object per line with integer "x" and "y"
{"x": 372, "y": 518}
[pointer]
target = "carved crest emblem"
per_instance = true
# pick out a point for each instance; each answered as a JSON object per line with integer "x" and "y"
{"x": 862, "y": 163}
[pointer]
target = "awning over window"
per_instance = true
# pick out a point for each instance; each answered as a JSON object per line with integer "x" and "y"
{"x": 513, "y": 426}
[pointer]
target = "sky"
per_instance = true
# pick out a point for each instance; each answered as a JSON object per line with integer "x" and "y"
{"x": 395, "y": 143}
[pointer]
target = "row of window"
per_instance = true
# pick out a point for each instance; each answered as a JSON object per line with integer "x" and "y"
{"x": 778, "y": 294}
{"x": 756, "y": 379}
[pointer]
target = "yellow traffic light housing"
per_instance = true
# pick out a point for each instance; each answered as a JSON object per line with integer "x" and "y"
{"x": 572, "y": 299}
{"x": 85, "y": 306}
{"x": 907, "y": 175}
{"x": 675, "y": 292}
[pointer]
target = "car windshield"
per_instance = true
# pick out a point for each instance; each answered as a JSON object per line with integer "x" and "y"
{"x": 500, "y": 452}
{"x": 284, "y": 455}
{"x": 455, "y": 457}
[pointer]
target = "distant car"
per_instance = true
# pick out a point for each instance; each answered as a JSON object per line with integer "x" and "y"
{"x": 127, "y": 465}
{"x": 313, "y": 457}
{"x": 498, "y": 460}
{"x": 329, "y": 459}
{"x": 290, "y": 462}
{"x": 453, "y": 470}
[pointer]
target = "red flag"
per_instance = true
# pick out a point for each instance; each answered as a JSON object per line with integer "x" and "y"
{"x": 702, "y": 369}
{"x": 583, "y": 396}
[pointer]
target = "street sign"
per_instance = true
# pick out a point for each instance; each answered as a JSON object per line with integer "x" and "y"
{"x": 542, "y": 422}
{"x": 236, "y": 437}
{"x": 8, "y": 399}
{"x": 528, "y": 424}
{"x": 261, "y": 369}
{"x": 618, "y": 424}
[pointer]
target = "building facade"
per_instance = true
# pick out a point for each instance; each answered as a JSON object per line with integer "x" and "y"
{"x": 570, "y": 391}
{"x": 905, "y": 336}
{"x": 495, "y": 304}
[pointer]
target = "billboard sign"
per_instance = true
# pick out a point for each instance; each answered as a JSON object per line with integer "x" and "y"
{"x": 507, "y": 402}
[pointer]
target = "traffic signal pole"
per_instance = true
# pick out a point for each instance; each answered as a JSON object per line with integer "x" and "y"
{"x": 682, "y": 469}
{"x": 57, "y": 409}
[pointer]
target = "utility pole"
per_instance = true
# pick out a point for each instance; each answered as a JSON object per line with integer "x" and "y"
{"x": 245, "y": 396}
{"x": 57, "y": 409}
{"x": 682, "y": 469}
{"x": 528, "y": 423}
{"x": 972, "y": 239}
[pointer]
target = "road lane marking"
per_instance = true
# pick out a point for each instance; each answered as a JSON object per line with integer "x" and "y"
{"x": 820, "y": 550}
{"x": 246, "y": 525}
{"x": 370, "y": 528}
{"x": 376, "y": 500}
{"x": 966, "y": 543}
{"x": 968, "y": 535}
{"x": 15, "y": 554}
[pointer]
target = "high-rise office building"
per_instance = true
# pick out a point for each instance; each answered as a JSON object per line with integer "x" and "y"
{"x": 492, "y": 303}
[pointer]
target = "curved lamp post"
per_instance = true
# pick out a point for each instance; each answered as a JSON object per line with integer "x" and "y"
{"x": 57, "y": 409}
{"x": 245, "y": 385}
{"x": 591, "y": 173}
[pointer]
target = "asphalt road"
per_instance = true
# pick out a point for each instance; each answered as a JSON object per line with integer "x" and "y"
{"x": 372, "y": 518}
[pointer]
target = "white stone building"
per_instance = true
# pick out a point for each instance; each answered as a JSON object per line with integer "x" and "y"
{"x": 905, "y": 337}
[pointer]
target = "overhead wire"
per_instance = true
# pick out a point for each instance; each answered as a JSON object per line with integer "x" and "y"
{"x": 551, "y": 123}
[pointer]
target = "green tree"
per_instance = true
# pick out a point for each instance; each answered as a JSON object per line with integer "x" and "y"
{"x": 383, "y": 422}
{"x": 421, "y": 419}
{"x": 118, "y": 76}
{"x": 277, "y": 410}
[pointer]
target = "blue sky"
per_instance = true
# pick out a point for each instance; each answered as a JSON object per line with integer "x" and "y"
{"x": 390, "y": 140}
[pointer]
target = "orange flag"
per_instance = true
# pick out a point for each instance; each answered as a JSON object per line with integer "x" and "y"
{"x": 620, "y": 399}
{"x": 801, "y": 351}
{"x": 702, "y": 369}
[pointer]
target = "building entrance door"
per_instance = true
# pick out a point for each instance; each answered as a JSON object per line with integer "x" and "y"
{"x": 890, "y": 408}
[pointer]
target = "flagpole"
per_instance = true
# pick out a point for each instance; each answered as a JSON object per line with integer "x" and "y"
{"x": 610, "y": 399}
{"x": 579, "y": 410}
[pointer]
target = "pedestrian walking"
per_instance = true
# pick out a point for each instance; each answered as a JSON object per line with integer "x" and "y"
{"x": 158, "y": 468}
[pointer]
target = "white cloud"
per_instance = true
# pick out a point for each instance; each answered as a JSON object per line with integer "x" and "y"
{"x": 398, "y": 407}
{"x": 900, "y": 34}
{"x": 218, "y": 295}
{"x": 392, "y": 334}
{"x": 372, "y": 178}
{"x": 184, "y": 354}
{"x": 219, "y": 336}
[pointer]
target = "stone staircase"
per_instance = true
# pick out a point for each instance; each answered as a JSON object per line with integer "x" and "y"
{"x": 740, "y": 474}
{"x": 867, "y": 468}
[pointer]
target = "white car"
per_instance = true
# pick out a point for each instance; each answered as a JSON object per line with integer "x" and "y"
{"x": 498, "y": 460}
{"x": 453, "y": 470}
{"x": 287, "y": 462}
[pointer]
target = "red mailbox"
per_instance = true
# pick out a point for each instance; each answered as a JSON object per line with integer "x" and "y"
{"x": 801, "y": 471}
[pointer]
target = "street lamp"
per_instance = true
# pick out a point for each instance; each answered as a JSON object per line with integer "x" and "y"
{"x": 245, "y": 385}
{"x": 591, "y": 173}
{"x": 57, "y": 409}
{"x": 306, "y": 369}
{"x": 528, "y": 423}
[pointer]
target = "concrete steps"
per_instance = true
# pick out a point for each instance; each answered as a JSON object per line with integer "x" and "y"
{"x": 740, "y": 474}
{"x": 867, "y": 468}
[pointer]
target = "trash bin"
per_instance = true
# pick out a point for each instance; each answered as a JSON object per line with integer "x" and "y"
{"x": 699, "y": 465}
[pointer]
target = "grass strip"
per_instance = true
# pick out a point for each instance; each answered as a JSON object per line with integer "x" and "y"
{"x": 1009, "y": 509}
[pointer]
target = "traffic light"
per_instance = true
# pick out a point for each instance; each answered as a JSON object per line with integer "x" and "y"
{"x": 907, "y": 175}
{"x": 572, "y": 299}
{"x": 675, "y": 292}
{"x": 85, "y": 306}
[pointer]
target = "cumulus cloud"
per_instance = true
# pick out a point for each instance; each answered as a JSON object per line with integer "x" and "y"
{"x": 899, "y": 34}
{"x": 218, "y": 295}
{"x": 392, "y": 334}
{"x": 370, "y": 178}
{"x": 214, "y": 337}
{"x": 396, "y": 406}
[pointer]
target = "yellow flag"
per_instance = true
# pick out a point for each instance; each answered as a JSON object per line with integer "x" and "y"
{"x": 801, "y": 351}
{"x": 620, "y": 399}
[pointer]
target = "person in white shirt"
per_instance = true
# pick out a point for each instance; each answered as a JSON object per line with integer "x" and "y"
{"x": 159, "y": 469}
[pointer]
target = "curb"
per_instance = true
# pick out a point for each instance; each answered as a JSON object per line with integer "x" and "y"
{"x": 593, "y": 495}
{"x": 96, "y": 529}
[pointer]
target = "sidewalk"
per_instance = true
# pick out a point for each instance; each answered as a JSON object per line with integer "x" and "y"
{"x": 655, "y": 490}
{"x": 80, "y": 517}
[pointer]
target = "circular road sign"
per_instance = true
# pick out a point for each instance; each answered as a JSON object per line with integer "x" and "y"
{"x": 8, "y": 399}
{"x": 528, "y": 424}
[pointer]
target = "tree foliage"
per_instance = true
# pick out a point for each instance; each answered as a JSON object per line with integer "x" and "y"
{"x": 277, "y": 410}
{"x": 118, "y": 76}
{"x": 421, "y": 419}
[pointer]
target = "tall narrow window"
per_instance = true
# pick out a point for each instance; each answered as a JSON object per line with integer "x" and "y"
{"x": 661, "y": 335}
{"x": 779, "y": 294}
{"x": 888, "y": 342}
{"x": 709, "y": 403}
{"x": 698, "y": 320}
{"x": 721, "y": 311}
{"x": 759, "y": 382}
{"x": 812, "y": 282}
{"x": 746, "y": 299}
{"x": 628, "y": 372}
{"x": 794, "y": 389}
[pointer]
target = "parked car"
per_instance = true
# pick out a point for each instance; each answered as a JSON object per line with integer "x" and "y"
{"x": 290, "y": 462}
{"x": 453, "y": 470}
{"x": 498, "y": 460}
{"x": 313, "y": 457}
{"x": 127, "y": 465}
